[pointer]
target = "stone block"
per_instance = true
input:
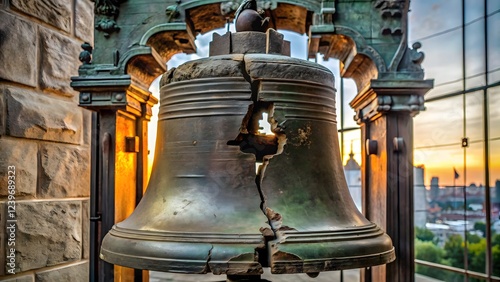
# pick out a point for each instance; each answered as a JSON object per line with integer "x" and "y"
{"x": 64, "y": 171}
{"x": 84, "y": 20}
{"x": 54, "y": 12}
{"x": 18, "y": 159}
{"x": 36, "y": 116}
{"x": 23, "y": 278}
{"x": 59, "y": 61}
{"x": 74, "y": 273}
{"x": 18, "y": 60}
{"x": 48, "y": 234}
{"x": 86, "y": 228}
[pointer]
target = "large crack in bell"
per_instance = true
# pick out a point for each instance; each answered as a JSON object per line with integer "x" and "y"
{"x": 264, "y": 145}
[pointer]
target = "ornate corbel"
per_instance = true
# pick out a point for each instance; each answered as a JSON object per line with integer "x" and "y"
{"x": 391, "y": 11}
{"x": 106, "y": 13}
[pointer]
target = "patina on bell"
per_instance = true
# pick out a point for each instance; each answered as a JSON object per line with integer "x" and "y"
{"x": 206, "y": 210}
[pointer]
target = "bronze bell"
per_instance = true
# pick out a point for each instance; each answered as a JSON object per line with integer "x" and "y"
{"x": 207, "y": 210}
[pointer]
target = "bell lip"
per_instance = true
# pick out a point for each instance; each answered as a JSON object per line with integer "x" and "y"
{"x": 200, "y": 252}
{"x": 332, "y": 264}
{"x": 346, "y": 249}
{"x": 174, "y": 236}
{"x": 181, "y": 252}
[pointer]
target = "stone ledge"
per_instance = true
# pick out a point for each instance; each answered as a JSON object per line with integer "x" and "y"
{"x": 37, "y": 116}
{"x": 78, "y": 272}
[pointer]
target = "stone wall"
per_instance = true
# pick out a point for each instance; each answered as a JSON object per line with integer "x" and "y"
{"x": 44, "y": 140}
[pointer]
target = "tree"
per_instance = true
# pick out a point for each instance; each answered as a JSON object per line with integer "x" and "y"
{"x": 473, "y": 238}
{"x": 454, "y": 248}
{"x": 424, "y": 234}
{"x": 428, "y": 251}
{"x": 477, "y": 256}
{"x": 480, "y": 226}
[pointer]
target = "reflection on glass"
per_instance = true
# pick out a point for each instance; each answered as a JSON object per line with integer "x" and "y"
{"x": 474, "y": 116}
{"x": 441, "y": 123}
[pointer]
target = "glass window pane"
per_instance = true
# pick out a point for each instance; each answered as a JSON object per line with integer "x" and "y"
{"x": 494, "y": 162}
{"x": 424, "y": 272}
{"x": 439, "y": 163}
{"x": 433, "y": 16}
{"x": 493, "y": 47}
{"x": 474, "y": 116}
{"x": 475, "y": 208}
{"x": 352, "y": 164}
{"x": 350, "y": 92}
{"x": 473, "y": 10}
{"x": 493, "y": 6}
{"x": 494, "y": 112}
{"x": 419, "y": 197}
{"x": 495, "y": 204}
{"x": 441, "y": 123}
{"x": 474, "y": 54}
{"x": 443, "y": 61}
{"x": 352, "y": 143}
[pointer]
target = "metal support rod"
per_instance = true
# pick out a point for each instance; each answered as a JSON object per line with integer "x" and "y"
{"x": 94, "y": 195}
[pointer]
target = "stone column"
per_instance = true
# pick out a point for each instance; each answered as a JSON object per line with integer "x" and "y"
{"x": 123, "y": 109}
{"x": 385, "y": 111}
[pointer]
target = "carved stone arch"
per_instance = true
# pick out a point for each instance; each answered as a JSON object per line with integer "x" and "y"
{"x": 204, "y": 16}
{"x": 358, "y": 60}
{"x": 147, "y": 59}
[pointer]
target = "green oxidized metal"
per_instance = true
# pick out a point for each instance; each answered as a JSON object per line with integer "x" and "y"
{"x": 206, "y": 209}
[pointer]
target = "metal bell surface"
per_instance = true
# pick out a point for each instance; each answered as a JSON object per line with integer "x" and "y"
{"x": 207, "y": 210}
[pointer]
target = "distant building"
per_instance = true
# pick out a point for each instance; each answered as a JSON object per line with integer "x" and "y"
{"x": 419, "y": 197}
{"x": 434, "y": 189}
{"x": 352, "y": 172}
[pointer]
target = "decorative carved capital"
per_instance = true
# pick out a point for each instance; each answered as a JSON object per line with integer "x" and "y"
{"x": 383, "y": 97}
{"x": 105, "y": 91}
